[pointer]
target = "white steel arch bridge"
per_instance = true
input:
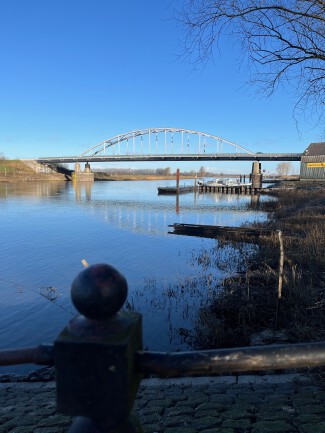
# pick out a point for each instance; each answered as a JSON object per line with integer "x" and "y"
{"x": 164, "y": 141}
{"x": 168, "y": 144}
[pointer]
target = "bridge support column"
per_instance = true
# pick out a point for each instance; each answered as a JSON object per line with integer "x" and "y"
{"x": 82, "y": 176}
{"x": 256, "y": 175}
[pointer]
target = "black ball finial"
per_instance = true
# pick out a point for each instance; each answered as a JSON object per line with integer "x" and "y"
{"x": 99, "y": 292}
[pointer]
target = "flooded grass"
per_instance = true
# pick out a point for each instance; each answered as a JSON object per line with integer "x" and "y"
{"x": 233, "y": 294}
{"x": 249, "y": 302}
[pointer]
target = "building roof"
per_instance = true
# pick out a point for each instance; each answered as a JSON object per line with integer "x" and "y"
{"x": 315, "y": 149}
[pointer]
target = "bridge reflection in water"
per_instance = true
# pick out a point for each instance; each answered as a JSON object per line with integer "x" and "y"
{"x": 82, "y": 189}
{"x": 145, "y": 216}
{"x": 154, "y": 217}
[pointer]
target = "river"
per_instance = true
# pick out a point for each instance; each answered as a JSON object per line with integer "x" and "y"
{"x": 48, "y": 228}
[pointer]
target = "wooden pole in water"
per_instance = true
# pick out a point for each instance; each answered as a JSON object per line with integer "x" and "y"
{"x": 281, "y": 261}
{"x": 177, "y": 180}
{"x": 280, "y": 264}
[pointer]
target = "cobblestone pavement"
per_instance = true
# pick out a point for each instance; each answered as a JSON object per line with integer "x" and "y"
{"x": 247, "y": 404}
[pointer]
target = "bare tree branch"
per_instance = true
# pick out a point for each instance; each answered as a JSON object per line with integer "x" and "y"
{"x": 284, "y": 40}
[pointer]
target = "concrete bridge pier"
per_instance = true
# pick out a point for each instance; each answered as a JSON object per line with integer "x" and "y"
{"x": 256, "y": 175}
{"x": 83, "y": 176}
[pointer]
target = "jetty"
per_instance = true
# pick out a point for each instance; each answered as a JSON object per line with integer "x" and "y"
{"x": 230, "y": 189}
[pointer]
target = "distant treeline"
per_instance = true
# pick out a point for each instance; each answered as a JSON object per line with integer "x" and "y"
{"x": 157, "y": 172}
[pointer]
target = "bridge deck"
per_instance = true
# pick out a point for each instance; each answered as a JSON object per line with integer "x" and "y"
{"x": 175, "y": 157}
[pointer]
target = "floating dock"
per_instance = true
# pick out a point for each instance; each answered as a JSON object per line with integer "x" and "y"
{"x": 175, "y": 190}
{"x": 212, "y": 231}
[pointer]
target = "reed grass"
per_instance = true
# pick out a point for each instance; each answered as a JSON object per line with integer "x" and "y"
{"x": 249, "y": 302}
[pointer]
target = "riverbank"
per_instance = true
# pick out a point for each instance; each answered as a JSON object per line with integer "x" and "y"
{"x": 262, "y": 304}
{"x": 17, "y": 171}
{"x": 100, "y": 176}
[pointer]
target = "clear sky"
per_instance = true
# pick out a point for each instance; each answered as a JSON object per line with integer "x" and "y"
{"x": 76, "y": 72}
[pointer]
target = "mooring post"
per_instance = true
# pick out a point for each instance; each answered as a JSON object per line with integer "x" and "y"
{"x": 95, "y": 355}
{"x": 177, "y": 180}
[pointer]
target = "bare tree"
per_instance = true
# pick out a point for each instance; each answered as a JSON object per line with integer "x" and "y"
{"x": 167, "y": 171}
{"x": 283, "y": 39}
{"x": 202, "y": 171}
{"x": 284, "y": 168}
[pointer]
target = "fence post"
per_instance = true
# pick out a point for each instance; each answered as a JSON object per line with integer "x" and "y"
{"x": 95, "y": 355}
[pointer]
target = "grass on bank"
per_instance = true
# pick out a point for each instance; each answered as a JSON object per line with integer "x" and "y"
{"x": 8, "y": 168}
{"x": 248, "y": 303}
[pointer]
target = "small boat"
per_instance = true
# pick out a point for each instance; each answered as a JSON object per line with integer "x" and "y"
{"x": 230, "y": 182}
{"x": 174, "y": 190}
{"x": 235, "y": 182}
{"x": 213, "y": 182}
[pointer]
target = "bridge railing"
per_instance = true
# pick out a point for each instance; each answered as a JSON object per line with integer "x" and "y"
{"x": 99, "y": 361}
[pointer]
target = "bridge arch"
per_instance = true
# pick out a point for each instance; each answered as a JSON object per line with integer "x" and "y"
{"x": 165, "y": 141}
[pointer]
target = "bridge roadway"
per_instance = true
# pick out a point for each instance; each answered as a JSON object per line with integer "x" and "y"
{"x": 174, "y": 157}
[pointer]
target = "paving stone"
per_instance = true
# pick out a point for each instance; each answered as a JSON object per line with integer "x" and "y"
{"x": 235, "y": 413}
{"x": 44, "y": 430}
{"x": 242, "y": 424}
{"x": 275, "y": 416}
{"x": 186, "y": 403}
{"x": 225, "y": 430}
{"x": 22, "y": 429}
{"x": 225, "y": 400}
{"x": 56, "y": 420}
{"x": 183, "y": 407}
{"x": 307, "y": 418}
{"x": 245, "y": 405}
{"x": 179, "y": 410}
{"x": 218, "y": 430}
{"x": 203, "y": 413}
{"x": 272, "y": 427}
{"x": 166, "y": 402}
{"x": 312, "y": 428}
{"x": 7, "y": 426}
{"x": 150, "y": 410}
{"x": 319, "y": 394}
{"x": 180, "y": 430}
{"x": 206, "y": 422}
{"x": 197, "y": 399}
{"x": 315, "y": 409}
{"x": 174, "y": 421}
{"x": 152, "y": 428}
{"x": 211, "y": 406}
{"x": 25, "y": 420}
{"x": 301, "y": 400}
{"x": 150, "y": 419}
{"x": 178, "y": 394}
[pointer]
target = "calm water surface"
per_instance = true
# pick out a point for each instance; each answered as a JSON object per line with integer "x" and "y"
{"x": 48, "y": 228}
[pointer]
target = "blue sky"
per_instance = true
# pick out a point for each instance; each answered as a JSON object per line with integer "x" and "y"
{"x": 74, "y": 73}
